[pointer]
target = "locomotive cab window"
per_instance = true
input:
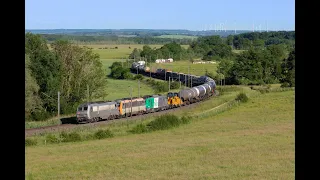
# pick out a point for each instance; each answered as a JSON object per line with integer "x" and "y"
{"x": 80, "y": 109}
{"x": 85, "y": 108}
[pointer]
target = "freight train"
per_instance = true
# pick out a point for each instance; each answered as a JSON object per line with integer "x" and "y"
{"x": 203, "y": 88}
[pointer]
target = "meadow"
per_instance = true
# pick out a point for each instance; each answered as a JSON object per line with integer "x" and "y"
{"x": 177, "y": 36}
{"x": 186, "y": 67}
{"x": 252, "y": 140}
{"x": 122, "y": 52}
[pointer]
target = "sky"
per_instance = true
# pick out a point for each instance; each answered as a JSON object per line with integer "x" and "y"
{"x": 160, "y": 14}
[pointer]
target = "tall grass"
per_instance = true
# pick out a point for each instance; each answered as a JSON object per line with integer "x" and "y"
{"x": 162, "y": 122}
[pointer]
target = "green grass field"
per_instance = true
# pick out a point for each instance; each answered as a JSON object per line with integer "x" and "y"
{"x": 121, "y": 88}
{"x": 122, "y": 52}
{"x": 254, "y": 140}
{"x": 183, "y": 65}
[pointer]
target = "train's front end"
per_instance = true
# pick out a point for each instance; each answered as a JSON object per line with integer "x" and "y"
{"x": 83, "y": 113}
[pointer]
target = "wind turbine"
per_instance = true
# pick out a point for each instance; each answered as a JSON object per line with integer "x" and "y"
{"x": 253, "y": 26}
{"x": 260, "y": 28}
{"x": 225, "y": 26}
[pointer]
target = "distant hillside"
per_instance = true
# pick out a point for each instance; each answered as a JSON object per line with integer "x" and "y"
{"x": 132, "y": 32}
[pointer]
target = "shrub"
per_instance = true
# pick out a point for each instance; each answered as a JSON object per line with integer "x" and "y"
{"x": 30, "y": 142}
{"x": 160, "y": 87}
{"x": 70, "y": 137}
{"x": 127, "y": 75}
{"x": 242, "y": 97}
{"x": 164, "y": 122}
{"x": 140, "y": 128}
{"x": 174, "y": 85}
{"x": 138, "y": 76}
{"x": 101, "y": 134}
{"x": 186, "y": 119}
{"x": 50, "y": 138}
{"x": 40, "y": 115}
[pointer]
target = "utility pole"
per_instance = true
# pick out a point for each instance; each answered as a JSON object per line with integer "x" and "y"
{"x": 189, "y": 76}
{"x": 185, "y": 80}
{"x": 139, "y": 88}
{"x": 131, "y": 103}
{"x": 179, "y": 79}
{"x": 169, "y": 84}
{"x": 165, "y": 74}
{"x": 58, "y": 104}
{"x": 88, "y": 93}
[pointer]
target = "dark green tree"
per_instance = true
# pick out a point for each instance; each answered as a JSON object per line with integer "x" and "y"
{"x": 288, "y": 70}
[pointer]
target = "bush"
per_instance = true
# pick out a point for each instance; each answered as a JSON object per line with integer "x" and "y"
{"x": 140, "y": 128}
{"x": 50, "y": 138}
{"x": 30, "y": 142}
{"x": 242, "y": 97}
{"x": 174, "y": 85}
{"x": 70, "y": 137}
{"x": 101, "y": 134}
{"x": 127, "y": 75}
{"x": 161, "y": 123}
{"x": 40, "y": 115}
{"x": 186, "y": 119}
{"x": 160, "y": 87}
{"x": 164, "y": 122}
{"x": 285, "y": 84}
{"x": 138, "y": 76}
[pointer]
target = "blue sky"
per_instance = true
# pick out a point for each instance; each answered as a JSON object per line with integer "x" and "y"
{"x": 160, "y": 14}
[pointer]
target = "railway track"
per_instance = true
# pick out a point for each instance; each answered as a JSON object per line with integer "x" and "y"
{"x": 34, "y": 131}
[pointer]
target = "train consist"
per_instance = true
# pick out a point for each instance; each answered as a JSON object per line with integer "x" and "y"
{"x": 202, "y": 88}
{"x": 163, "y": 74}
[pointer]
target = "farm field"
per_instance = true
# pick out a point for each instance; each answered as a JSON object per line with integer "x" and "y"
{"x": 183, "y": 65}
{"x": 254, "y": 140}
{"x": 117, "y": 89}
{"x": 177, "y": 36}
{"x": 122, "y": 52}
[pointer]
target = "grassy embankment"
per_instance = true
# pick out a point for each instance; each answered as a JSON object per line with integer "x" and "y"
{"x": 253, "y": 140}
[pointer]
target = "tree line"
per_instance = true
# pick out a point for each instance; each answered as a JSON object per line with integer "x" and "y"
{"x": 258, "y": 67}
{"x": 215, "y": 47}
{"x": 66, "y": 68}
{"x": 114, "y": 39}
{"x": 269, "y": 57}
